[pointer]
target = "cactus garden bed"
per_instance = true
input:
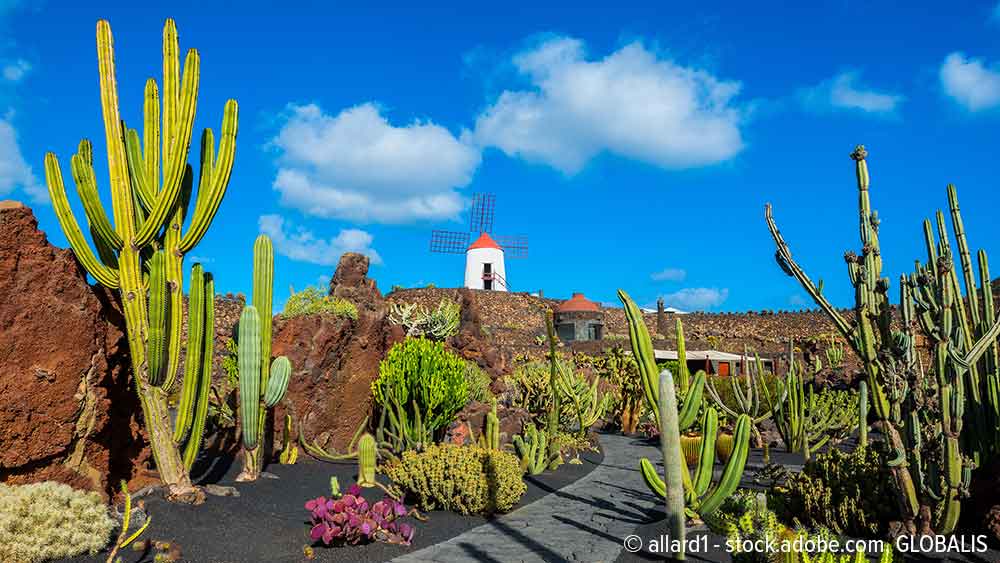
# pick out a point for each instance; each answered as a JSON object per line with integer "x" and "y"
{"x": 268, "y": 521}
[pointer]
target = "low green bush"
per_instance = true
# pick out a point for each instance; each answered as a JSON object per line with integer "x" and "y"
{"x": 849, "y": 493}
{"x": 421, "y": 375}
{"x": 313, "y": 300}
{"x": 463, "y": 479}
{"x": 44, "y": 521}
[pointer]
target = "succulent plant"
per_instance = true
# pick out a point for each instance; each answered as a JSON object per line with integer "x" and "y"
{"x": 263, "y": 383}
{"x": 420, "y": 387}
{"x": 536, "y": 455}
{"x": 463, "y": 479}
{"x": 939, "y": 424}
{"x": 699, "y": 494}
{"x": 366, "y": 460}
{"x": 808, "y": 419}
{"x": 352, "y": 520}
{"x": 141, "y": 254}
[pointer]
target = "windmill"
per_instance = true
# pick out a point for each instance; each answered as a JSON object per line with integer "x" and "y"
{"x": 484, "y": 257}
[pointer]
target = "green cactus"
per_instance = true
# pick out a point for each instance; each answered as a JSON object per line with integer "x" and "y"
{"x": 144, "y": 248}
{"x": 673, "y": 479}
{"x": 552, "y": 422}
{"x": 536, "y": 455}
{"x": 587, "y": 401}
{"x": 366, "y": 460}
{"x": 937, "y": 426}
{"x": 700, "y": 497}
{"x": 834, "y": 353}
{"x": 863, "y": 415}
{"x": 808, "y": 420}
{"x": 490, "y": 438}
{"x": 263, "y": 383}
{"x": 289, "y": 447}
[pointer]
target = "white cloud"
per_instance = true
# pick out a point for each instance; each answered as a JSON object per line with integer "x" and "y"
{"x": 632, "y": 103}
{"x": 200, "y": 259}
{"x": 697, "y": 298}
{"x": 797, "y": 300}
{"x": 669, "y": 274}
{"x": 301, "y": 245}
{"x": 846, "y": 92}
{"x": 357, "y": 166}
{"x": 970, "y": 82}
{"x": 14, "y": 171}
{"x": 15, "y": 71}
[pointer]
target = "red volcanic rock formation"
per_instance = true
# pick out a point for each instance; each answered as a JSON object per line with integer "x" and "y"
{"x": 68, "y": 412}
{"x": 334, "y": 359}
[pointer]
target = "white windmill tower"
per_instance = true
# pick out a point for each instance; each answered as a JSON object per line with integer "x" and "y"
{"x": 484, "y": 258}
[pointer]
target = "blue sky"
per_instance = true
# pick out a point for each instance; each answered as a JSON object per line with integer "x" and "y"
{"x": 635, "y": 144}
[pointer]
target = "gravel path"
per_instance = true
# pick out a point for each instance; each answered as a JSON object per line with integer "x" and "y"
{"x": 585, "y": 521}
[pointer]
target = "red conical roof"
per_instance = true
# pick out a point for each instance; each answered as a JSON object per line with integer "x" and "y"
{"x": 577, "y": 303}
{"x": 485, "y": 241}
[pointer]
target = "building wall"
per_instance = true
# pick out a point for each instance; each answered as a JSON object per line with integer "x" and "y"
{"x": 474, "y": 261}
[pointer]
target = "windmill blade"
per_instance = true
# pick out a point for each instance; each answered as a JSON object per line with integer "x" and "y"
{"x": 514, "y": 246}
{"x": 481, "y": 215}
{"x": 449, "y": 242}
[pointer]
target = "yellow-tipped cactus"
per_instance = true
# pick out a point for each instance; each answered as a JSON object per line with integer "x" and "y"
{"x": 140, "y": 253}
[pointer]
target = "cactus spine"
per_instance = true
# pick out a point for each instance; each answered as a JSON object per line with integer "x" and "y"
{"x": 366, "y": 460}
{"x": 262, "y": 383}
{"x": 148, "y": 217}
{"x": 952, "y": 416}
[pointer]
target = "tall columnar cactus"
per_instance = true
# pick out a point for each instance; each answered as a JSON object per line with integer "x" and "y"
{"x": 151, "y": 189}
{"x": 262, "y": 382}
{"x": 808, "y": 420}
{"x": 937, "y": 426}
{"x": 366, "y": 460}
{"x": 555, "y": 413}
{"x": 863, "y": 415}
{"x": 673, "y": 479}
{"x": 699, "y": 496}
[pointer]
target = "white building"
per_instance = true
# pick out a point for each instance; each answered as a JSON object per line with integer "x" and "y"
{"x": 484, "y": 268}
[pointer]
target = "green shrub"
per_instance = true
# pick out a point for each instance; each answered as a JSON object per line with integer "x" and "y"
{"x": 463, "y": 479}
{"x": 44, "y": 521}
{"x": 313, "y": 300}
{"x": 478, "y": 382}
{"x": 849, "y": 493}
{"x": 421, "y": 374}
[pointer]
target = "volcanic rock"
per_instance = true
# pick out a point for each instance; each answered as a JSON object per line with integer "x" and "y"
{"x": 351, "y": 282}
{"x": 68, "y": 411}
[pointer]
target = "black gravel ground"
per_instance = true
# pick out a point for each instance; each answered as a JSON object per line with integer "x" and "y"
{"x": 268, "y": 523}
